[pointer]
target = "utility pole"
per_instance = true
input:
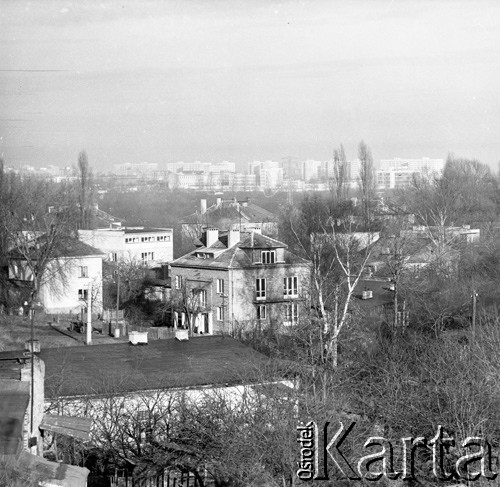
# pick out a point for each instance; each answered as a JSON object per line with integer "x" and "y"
{"x": 223, "y": 297}
{"x": 88, "y": 339}
{"x": 117, "y": 296}
{"x": 474, "y": 305}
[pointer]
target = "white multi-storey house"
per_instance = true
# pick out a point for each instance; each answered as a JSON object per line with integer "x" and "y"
{"x": 151, "y": 246}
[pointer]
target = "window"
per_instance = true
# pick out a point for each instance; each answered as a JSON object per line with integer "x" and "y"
{"x": 178, "y": 282}
{"x": 261, "y": 312}
{"x": 268, "y": 256}
{"x": 220, "y": 286}
{"x": 146, "y": 256}
{"x": 83, "y": 294}
{"x": 84, "y": 271}
{"x": 113, "y": 256}
{"x": 200, "y": 297}
{"x": 220, "y": 313}
{"x": 260, "y": 287}
{"x": 291, "y": 313}
{"x": 290, "y": 286}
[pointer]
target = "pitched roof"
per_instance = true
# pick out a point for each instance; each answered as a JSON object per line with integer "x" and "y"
{"x": 228, "y": 213}
{"x": 63, "y": 247}
{"x": 121, "y": 367}
{"x": 235, "y": 257}
{"x": 257, "y": 214}
{"x": 254, "y": 240}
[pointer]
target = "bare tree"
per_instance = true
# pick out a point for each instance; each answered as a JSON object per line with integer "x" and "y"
{"x": 85, "y": 191}
{"x": 366, "y": 180}
{"x": 36, "y": 221}
{"x": 340, "y": 173}
{"x": 190, "y": 301}
{"x": 337, "y": 259}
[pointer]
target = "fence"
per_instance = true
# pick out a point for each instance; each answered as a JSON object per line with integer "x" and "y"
{"x": 169, "y": 478}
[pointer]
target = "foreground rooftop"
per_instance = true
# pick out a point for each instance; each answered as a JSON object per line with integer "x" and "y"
{"x": 161, "y": 364}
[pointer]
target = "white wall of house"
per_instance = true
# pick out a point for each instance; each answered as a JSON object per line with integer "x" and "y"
{"x": 66, "y": 283}
{"x": 113, "y": 407}
{"x": 121, "y": 244}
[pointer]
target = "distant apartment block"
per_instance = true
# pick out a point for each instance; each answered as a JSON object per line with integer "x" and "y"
{"x": 330, "y": 170}
{"x": 212, "y": 181}
{"x": 135, "y": 169}
{"x": 151, "y": 246}
{"x": 311, "y": 170}
{"x": 423, "y": 165}
{"x": 269, "y": 174}
{"x": 394, "y": 178}
{"x": 399, "y": 173}
{"x": 238, "y": 280}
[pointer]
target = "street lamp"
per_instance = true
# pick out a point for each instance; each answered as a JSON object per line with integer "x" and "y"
{"x": 33, "y": 306}
{"x": 223, "y": 297}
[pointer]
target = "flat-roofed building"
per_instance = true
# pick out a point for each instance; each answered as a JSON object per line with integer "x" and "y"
{"x": 151, "y": 246}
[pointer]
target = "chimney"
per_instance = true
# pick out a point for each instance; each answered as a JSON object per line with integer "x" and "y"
{"x": 212, "y": 235}
{"x": 203, "y": 206}
{"x": 233, "y": 238}
{"x": 218, "y": 202}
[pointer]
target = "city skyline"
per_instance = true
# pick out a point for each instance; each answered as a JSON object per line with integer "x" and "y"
{"x": 242, "y": 81}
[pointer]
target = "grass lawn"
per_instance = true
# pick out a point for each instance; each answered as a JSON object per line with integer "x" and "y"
{"x": 15, "y": 330}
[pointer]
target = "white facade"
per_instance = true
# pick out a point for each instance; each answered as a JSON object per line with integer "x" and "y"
{"x": 423, "y": 165}
{"x": 311, "y": 169}
{"x": 394, "y": 178}
{"x": 135, "y": 169}
{"x": 68, "y": 283}
{"x": 151, "y": 246}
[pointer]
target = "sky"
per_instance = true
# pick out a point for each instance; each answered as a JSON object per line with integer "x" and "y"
{"x": 212, "y": 80}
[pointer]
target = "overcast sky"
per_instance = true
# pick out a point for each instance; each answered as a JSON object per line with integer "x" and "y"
{"x": 163, "y": 81}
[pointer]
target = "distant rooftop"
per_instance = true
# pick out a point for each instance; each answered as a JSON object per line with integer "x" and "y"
{"x": 64, "y": 247}
{"x": 230, "y": 211}
{"x": 118, "y": 228}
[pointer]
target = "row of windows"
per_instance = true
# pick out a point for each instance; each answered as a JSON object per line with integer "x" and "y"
{"x": 290, "y": 287}
{"x": 291, "y": 312}
{"x": 268, "y": 256}
{"x": 159, "y": 238}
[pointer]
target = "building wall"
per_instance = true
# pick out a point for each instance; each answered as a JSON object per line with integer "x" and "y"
{"x": 240, "y": 303}
{"x": 59, "y": 292}
{"x": 130, "y": 246}
{"x": 205, "y": 279}
{"x": 113, "y": 407}
{"x": 243, "y": 303}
